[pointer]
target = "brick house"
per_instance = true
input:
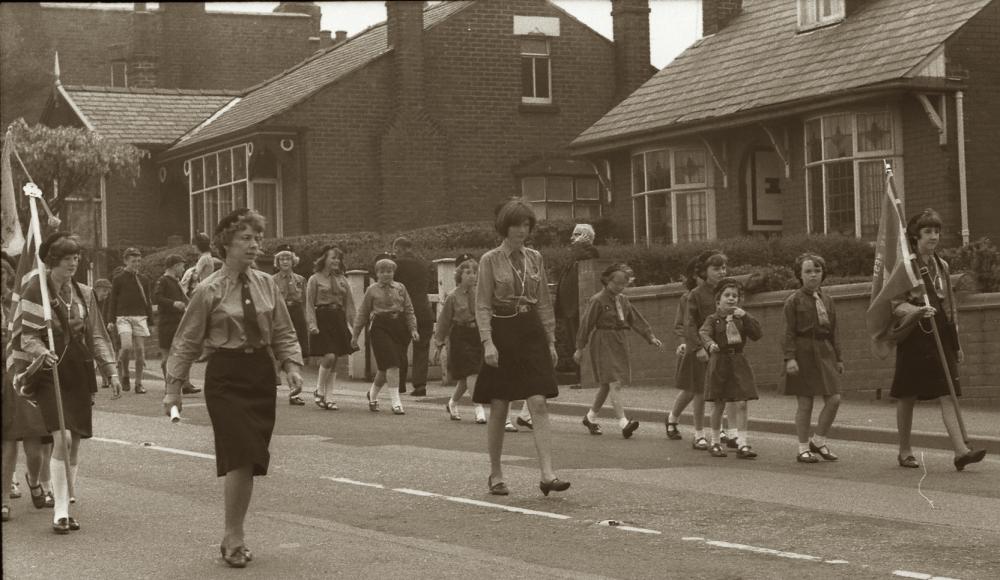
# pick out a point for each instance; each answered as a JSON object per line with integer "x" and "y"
{"x": 778, "y": 119}
{"x": 431, "y": 117}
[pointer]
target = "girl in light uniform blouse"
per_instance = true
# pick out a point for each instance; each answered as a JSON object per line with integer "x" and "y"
{"x": 329, "y": 307}
{"x": 393, "y": 325}
{"x": 456, "y": 323}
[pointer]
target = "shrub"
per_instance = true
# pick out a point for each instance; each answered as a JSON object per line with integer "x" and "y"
{"x": 981, "y": 258}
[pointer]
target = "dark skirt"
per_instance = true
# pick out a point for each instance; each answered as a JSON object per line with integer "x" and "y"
{"x": 609, "y": 356}
{"x": 729, "y": 378}
{"x": 298, "y": 315}
{"x": 526, "y": 367}
{"x": 165, "y": 334}
{"x": 240, "y": 396}
{"x": 690, "y": 375}
{"x": 919, "y": 372}
{"x": 465, "y": 352}
{"x": 817, "y": 370}
{"x": 76, "y": 383}
{"x": 389, "y": 338}
{"x": 334, "y": 337}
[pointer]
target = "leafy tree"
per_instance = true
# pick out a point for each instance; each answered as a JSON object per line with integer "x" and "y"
{"x": 73, "y": 156}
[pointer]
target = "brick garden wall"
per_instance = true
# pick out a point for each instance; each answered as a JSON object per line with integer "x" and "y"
{"x": 979, "y": 316}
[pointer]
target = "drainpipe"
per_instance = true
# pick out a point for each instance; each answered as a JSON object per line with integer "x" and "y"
{"x": 962, "y": 185}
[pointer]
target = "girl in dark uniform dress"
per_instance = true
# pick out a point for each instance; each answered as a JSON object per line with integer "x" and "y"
{"x": 812, "y": 357}
{"x": 457, "y": 323}
{"x": 329, "y": 307}
{"x": 919, "y": 374}
{"x": 293, "y": 289}
{"x": 517, "y": 328}
{"x": 240, "y": 318}
{"x": 608, "y": 317}
{"x": 388, "y": 307}
{"x": 80, "y": 337}
{"x": 729, "y": 377}
{"x": 682, "y": 379}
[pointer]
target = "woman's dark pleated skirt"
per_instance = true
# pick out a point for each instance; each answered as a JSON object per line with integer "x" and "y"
{"x": 334, "y": 337}
{"x": 76, "y": 383}
{"x": 525, "y": 367}
{"x": 919, "y": 372}
{"x": 389, "y": 338}
{"x": 240, "y": 396}
{"x": 298, "y": 315}
{"x": 465, "y": 351}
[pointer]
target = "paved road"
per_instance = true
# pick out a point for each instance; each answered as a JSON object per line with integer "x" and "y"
{"x": 353, "y": 493}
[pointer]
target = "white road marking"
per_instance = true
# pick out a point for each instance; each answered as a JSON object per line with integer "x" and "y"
{"x": 693, "y": 539}
{"x": 354, "y": 482}
{"x": 421, "y": 493}
{"x": 759, "y": 550}
{"x": 640, "y": 530}
{"x": 906, "y": 574}
{"x": 836, "y": 562}
{"x": 116, "y": 441}
{"x": 182, "y": 452}
{"x": 508, "y": 508}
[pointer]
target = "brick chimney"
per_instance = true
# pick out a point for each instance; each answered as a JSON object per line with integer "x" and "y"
{"x": 631, "y": 34}
{"x": 180, "y": 42}
{"x": 340, "y": 37}
{"x": 716, "y": 14}
{"x": 405, "y": 35}
{"x": 308, "y": 8}
{"x": 142, "y": 61}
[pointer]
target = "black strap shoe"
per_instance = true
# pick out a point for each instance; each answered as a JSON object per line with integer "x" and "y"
{"x": 61, "y": 526}
{"x": 970, "y": 457}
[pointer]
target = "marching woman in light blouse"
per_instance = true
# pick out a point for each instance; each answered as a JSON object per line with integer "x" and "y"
{"x": 329, "y": 311}
{"x": 517, "y": 328}
{"x": 239, "y": 316}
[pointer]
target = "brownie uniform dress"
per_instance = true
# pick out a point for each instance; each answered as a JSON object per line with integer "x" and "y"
{"x": 605, "y": 323}
{"x": 514, "y": 308}
{"x": 811, "y": 339}
{"x": 293, "y": 289}
{"x": 393, "y": 322}
{"x": 329, "y": 306}
{"x": 729, "y": 376}
{"x": 918, "y": 365}
{"x": 457, "y": 323}
{"x": 240, "y": 377}
{"x": 699, "y": 305}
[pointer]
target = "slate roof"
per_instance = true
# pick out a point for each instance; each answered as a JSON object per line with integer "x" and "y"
{"x": 759, "y": 60}
{"x": 291, "y": 87}
{"x": 144, "y": 116}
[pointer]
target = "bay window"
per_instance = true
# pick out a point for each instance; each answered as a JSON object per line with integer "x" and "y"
{"x": 221, "y": 181}
{"x": 672, "y": 195}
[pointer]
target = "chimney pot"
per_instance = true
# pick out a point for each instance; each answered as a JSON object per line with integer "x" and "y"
{"x": 716, "y": 14}
{"x": 341, "y": 36}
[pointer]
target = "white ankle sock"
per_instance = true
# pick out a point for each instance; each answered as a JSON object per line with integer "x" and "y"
{"x": 699, "y": 434}
{"x": 373, "y": 392}
{"x": 331, "y": 381}
{"x": 803, "y": 447}
{"x": 818, "y": 440}
{"x": 715, "y": 436}
{"x": 744, "y": 439}
{"x": 392, "y": 379}
{"x": 73, "y": 469}
{"x": 321, "y": 380}
{"x": 480, "y": 410}
{"x": 734, "y": 434}
{"x": 525, "y": 413}
{"x": 591, "y": 416}
{"x": 671, "y": 418}
{"x": 623, "y": 422}
{"x": 59, "y": 489}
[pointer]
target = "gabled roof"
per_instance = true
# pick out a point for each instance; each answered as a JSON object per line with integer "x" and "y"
{"x": 759, "y": 60}
{"x": 142, "y": 116}
{"x": 293, "y": 86}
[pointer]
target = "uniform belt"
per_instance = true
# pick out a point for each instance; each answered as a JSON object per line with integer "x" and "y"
{"x": 731, "y": 349}
{"x": 512, "y": 310}
{"x": 389, "y": 314}
{"x": 614, "y": 327}
{"x": 240, "y": 351}
{"x": 329, "y": 307}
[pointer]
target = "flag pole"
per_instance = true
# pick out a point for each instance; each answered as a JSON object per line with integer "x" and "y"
{"x": 928, "y": 288}
{"x": 32, "y": 191}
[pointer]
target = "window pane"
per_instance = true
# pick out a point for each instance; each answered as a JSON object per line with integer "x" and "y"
{"x": 212, "y": 209}
{"x": 211, "y": 170}
{"x": 586, "y": 188}
{"x": 240, "y": 163}
{"x": 539, "y": 208}
{"x": 638, "y": 174}
{"x": 197, "y": 174}
{"x": 657, "y": 170}
{"x": 198, "y": 213}
{"x": 225, "y": 200}
{"x": 560, "y": 188}
{"x": 542, "y": 78}
{"x": 840, "y": 197}
{"x": 872, "y": 182}
{"x": 226, "y": 166}
{"x": 659, "y": 219}
{"x": 587, "y": 211}
{"x": 539, "y": 46}
{"x": 240, "y": 194}
{"x": 690, "y": 167}
{"x": 837, "y": 137}
{"x": 874, "y": 131}
{"x": 559, "y": 211}
{"x": 533, "y": 188}
{"x": 692, "y": 216}
{"x": 814, "y": 183}
{"x": 527, "y": 77}
{"x": 639, "y": 212}
{"x": 265, "y": 201}
{"x": 814, "y": 141}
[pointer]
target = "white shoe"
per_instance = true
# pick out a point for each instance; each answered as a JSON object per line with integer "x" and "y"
{"x": 480, "y": 415}
{"x": 510, "y": 427}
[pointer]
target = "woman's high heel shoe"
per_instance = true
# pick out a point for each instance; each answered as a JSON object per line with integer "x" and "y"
{"x": 553, "y": 485}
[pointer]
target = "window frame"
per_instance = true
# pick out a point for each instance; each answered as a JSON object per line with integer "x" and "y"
{"x": 674, "y": 190}
{"x": 534, "y": 57}
{"x": 124, "y": 73}
{"x": 204, "y": 191}
{"x": 894, "y": 155}
{"x": 572, "y": 203}
{"x": 809, "y": 17}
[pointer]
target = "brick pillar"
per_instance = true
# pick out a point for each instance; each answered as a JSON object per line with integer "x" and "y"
{"x": 631, "y": 35}
{"x": 715, "y": 14}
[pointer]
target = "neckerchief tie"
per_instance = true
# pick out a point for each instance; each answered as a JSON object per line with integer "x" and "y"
{"x": 821, "y": 314}
{"x": 732, "y": 333}
{"x": 254, "y": 337}
{"x": 620, "y": 306}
